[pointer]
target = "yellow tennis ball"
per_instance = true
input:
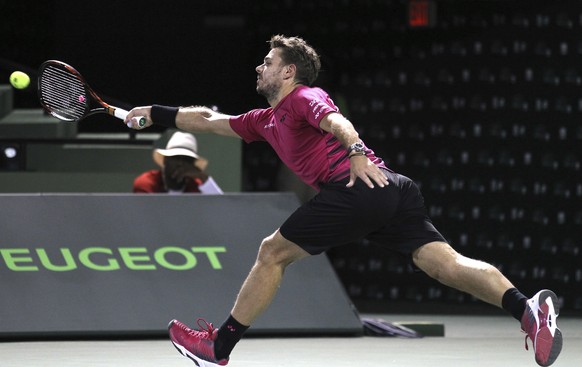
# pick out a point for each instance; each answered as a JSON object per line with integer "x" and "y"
{"x": 19, "y": 80}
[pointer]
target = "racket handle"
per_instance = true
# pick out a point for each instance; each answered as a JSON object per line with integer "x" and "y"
{"x": 122, "y": 114}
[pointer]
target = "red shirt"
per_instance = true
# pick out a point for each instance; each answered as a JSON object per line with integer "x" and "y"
{"x": 292, "y": 129}
{"x": 153, "y": 182}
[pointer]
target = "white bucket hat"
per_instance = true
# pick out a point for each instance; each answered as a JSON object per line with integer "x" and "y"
{"x": 180, "y": 144}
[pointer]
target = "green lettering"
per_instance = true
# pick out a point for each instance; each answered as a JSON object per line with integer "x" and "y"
{"x": 130, "y": 259}
{"x": 67, "y": 256}
{"x": 85, "y": 254}
{"x": 189, "y": 263}
{"x": 12, "y": 259}
{"x": 211, "y": 254}
{"x": 103, "y": 259}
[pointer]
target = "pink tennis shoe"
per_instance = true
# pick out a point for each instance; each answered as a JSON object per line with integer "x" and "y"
{"x": 539, "y": 323}
{"x": 198, "y": 345}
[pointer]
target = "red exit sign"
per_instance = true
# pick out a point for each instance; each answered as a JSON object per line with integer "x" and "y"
{"x": 421, "y": 13}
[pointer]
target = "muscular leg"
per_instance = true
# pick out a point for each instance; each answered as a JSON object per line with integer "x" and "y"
{"x": 441, "y": 262}
{"x": 261, "y": 285}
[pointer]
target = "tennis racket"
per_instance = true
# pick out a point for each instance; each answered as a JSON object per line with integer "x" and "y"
{"x": 65, "y": 94}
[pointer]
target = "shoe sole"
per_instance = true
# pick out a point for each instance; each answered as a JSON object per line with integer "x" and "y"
{"x": 548, "y": 303}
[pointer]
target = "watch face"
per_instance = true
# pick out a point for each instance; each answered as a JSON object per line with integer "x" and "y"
{"x": 357, "y": 147}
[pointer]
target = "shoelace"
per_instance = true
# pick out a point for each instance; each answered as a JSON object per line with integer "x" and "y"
{"x": 205, "y": 332}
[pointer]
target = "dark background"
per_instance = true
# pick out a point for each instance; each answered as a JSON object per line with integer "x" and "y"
{"x": 481, "y": 107}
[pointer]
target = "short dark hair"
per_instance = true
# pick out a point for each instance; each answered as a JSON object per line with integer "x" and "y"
{"x": 294, "y": 50}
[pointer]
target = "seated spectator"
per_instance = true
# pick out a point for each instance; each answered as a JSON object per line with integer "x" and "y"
{"x": 182, "y": 169}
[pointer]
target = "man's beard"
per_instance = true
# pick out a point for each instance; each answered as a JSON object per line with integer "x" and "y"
{"x": 269, "y": 91}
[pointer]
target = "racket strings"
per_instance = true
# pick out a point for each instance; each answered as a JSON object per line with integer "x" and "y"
{"x": 63, "y": 93}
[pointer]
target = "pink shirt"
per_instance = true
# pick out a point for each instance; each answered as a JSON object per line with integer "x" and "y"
{"x": 292, "y": 129}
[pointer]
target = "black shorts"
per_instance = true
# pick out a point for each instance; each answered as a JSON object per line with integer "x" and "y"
{"x": 393, "y": 217}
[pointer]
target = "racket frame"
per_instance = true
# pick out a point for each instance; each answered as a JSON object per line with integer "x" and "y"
{"x": 105, "y": 107}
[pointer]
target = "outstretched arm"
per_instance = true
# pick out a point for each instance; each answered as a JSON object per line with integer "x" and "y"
{"x": 196, "y": 119}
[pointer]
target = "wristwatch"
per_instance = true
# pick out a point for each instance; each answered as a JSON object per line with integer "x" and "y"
{"x": 356, "y": 147}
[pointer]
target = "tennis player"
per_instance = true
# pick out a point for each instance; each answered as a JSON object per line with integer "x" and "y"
{"x": 358, "y": 197}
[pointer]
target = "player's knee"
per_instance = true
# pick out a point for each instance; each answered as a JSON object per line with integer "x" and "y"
{"x": 437, "y": 270}
{"x": 273, "y": 252}
{"x": 437, "y": 260}
{"x": 277, "y": 250}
